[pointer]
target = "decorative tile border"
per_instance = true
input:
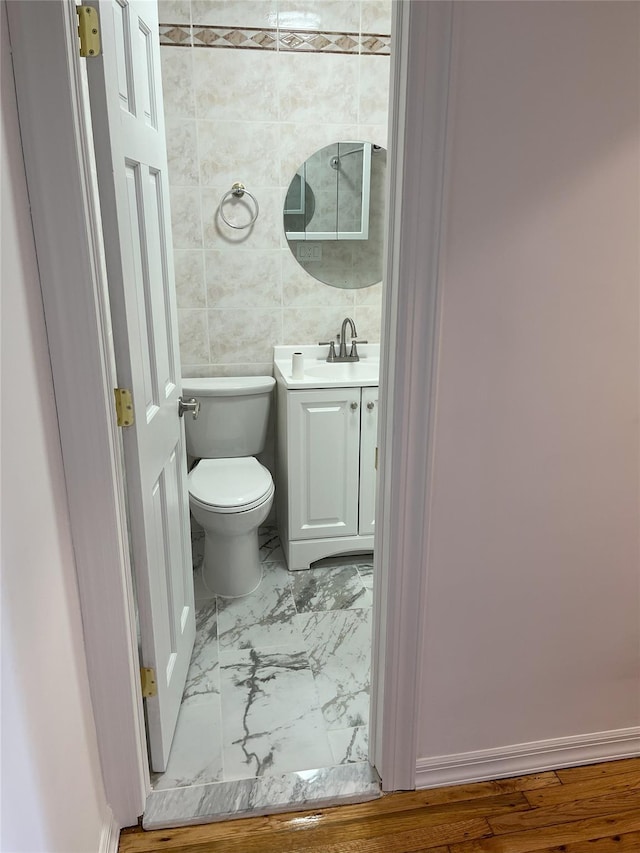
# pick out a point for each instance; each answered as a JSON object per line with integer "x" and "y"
{"x": 318, "y": 42}
{"x": 376, "y": 44}
{"x": 245, "y": 37}
{"x": 255, "y": 38}
{"x": 176, "y": 35}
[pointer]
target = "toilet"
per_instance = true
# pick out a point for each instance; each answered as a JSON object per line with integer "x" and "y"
{"x": 230, "y": 492}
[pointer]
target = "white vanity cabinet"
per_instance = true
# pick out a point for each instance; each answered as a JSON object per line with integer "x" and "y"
{"x": 326, "y": 472}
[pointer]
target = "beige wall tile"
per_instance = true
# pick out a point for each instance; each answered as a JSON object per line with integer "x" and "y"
{"x": 233, "y": 338}
{"x": 374, "y": 89}
{"x": 247, "y": 369}
{"x": 233, "y": 85}
{"x": 186, "y": 218}
{"x": 174, "y": 11}
{"x": 330, "y": 15}
{"x": 369, "y": 295}
{"x": 375, "y": 16}
{"x": 197, "y": 371}
{"x": 310, "y": 325}
{"x": 194, "y": 339}
{"x": 244, "y": 151}
{"x": 376, "y": 133}
{"x": 240, "y": 279}
{"x": 235, "y": 13}
{"x": 177, "y": 81}
{"x": 182, "y": 151}
{"x": 190, "y": 288}
{"x": 250, "y": 369}
{"x": 368, "y": 322}
{"x": 318, "y": 87}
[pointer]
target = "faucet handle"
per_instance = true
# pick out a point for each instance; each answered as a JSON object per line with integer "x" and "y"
{"x": 354, "y": 349}
{"x": 332, "y": 349}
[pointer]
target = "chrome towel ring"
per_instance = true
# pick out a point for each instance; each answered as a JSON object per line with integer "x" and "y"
{"x": 238, "y": 190}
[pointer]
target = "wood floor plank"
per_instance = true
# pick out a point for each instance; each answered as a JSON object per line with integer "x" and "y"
{"x": 474, "y": 790}
{"x": 585, "y": 790}
{"x": 402, "y": 811}
{"x": 172, "y": 839}
{"x": 592, "y": 771}
{"x": 539, "y": 840}
{"x": 136, "y": 841}
{"x": 406, "y": 842}
{"x": 565, "y": 812}
{"x": 414, "y": 827}
{"x": 389, "y": 836}
{"x": 627, "y": 843}
{"x": 594, "y": 810}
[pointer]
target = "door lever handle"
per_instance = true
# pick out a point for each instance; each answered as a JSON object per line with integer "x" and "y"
{"x": 191, "y": 405}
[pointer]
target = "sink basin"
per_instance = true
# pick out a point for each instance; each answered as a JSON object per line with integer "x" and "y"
{"x": 320, "y": 373}
{"x": 344, "y": 371}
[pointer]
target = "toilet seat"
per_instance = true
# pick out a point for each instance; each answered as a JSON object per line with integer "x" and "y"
{"x": 230, "y": 485}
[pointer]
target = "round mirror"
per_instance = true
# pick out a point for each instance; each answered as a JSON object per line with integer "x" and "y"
{"x": 334, "y": 214}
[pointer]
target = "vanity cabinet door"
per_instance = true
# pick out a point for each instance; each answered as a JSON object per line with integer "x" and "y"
{"x": 324, "y": 450}
{"x": 368, "y": 444}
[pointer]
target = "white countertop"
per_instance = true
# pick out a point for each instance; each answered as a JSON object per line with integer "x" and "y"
{"x": 363, "y": 373}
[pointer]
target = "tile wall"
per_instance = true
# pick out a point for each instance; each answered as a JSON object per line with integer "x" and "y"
{"x": 251, "y": 89}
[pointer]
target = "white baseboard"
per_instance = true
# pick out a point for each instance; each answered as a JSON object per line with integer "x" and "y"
{"x": 522, "y": 758}
{"x": 110, "y": 835}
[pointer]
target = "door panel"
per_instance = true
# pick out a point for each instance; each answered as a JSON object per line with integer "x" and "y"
{"x": 368, "y": 473}
{"x": 323, "y": 430}
{"x": 128, "y": 128}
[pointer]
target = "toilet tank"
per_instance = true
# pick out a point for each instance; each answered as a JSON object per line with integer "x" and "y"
{"x": 234, "y": 413}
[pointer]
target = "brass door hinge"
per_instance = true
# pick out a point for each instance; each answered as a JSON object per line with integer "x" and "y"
{"x": 124, "y": 407}
{"x": 148, "y": 682}
{"x": 88, "y": 30}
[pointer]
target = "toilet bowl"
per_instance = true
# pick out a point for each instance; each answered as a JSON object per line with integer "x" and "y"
{"x": 230, "y": 492}
{"x": 230, "y": 498}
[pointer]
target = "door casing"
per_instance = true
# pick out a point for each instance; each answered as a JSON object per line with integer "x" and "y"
{"x": 61, "y": 180}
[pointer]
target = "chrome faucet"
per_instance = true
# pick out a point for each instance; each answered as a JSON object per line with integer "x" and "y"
{"x": 342, "y": 352}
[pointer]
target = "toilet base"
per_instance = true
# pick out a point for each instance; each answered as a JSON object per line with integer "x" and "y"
{"x": 231, "y": 566}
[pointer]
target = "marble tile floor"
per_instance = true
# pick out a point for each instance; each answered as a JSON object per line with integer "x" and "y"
{"x": 342, "y": 784}
{"x": 278, "y": 684}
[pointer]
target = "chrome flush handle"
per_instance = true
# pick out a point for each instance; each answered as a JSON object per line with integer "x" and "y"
{"x": 191, "y": 405}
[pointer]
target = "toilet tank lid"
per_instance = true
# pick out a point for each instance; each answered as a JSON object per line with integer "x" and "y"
{"x": 227, "y": 386}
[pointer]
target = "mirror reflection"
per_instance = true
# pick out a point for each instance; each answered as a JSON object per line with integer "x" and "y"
{"x": 334, "y": 214}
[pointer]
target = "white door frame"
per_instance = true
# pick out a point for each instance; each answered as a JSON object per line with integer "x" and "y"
{"x": 62, "y": 188}
{"x": 58, "y": 152}
{"x": 418, "y": 97}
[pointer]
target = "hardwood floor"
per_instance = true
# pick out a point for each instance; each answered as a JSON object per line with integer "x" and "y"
{"x": 593, "y": 809}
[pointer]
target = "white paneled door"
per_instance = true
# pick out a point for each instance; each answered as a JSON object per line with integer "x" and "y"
{"x": 128, "y": 130}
